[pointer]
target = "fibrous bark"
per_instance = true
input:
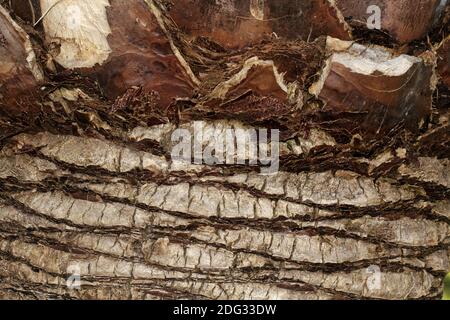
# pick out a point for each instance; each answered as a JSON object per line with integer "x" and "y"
{"x": 91, "y": 94}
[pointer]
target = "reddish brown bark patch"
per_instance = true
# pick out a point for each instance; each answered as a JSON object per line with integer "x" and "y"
{"x": 141, "y": 55}
{"x": 404, "y": 20}
{"x": 239, "y": 23}
{"x": 444, "y": 61}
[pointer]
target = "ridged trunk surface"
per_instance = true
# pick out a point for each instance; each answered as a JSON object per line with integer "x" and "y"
{"x": 91, "y": 93}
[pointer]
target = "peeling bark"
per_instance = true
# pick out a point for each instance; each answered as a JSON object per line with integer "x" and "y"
{"x": 401, "y": 20}
{"x": 92, "y": 92}
{"x": 388, "y": 88}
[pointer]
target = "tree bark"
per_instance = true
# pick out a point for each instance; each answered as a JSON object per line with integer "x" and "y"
{"x": 91, "y": 94}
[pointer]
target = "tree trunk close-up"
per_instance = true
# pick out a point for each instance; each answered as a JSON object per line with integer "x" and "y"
{"x": 97, "y": 98}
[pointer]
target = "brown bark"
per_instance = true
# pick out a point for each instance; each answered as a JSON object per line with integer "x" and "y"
{"x": 403, "y": 20}
{"x": 19, "y": 72}
{"x": 388, "y": 88}
{"x": 239, "y": 23}
{"x": 444, "y": 61}
{"x": 91, "y": 94}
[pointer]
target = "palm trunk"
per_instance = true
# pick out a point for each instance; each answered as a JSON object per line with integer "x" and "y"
{"x": 92, "y": 93}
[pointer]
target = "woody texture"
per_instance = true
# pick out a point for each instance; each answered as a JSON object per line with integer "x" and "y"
{"x": 94, "y": 206}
